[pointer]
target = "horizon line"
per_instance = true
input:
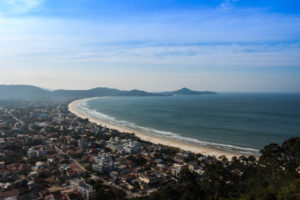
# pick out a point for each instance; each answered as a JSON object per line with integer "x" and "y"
{"x": 153, "y": 91}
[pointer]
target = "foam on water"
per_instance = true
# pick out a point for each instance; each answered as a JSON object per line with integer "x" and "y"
{"x": 82, "y": 107}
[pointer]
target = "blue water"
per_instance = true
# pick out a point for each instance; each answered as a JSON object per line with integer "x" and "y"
{"x": 235, "y": 122}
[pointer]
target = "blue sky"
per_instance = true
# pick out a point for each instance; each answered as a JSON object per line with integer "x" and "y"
{"x": 230, "y": 45}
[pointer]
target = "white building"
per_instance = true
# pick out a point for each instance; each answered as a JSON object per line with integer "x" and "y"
{"x": 80, "y": 185}
{"x": 103, "y": 163}
{"x": 31, "y": 153}
{"x": 176, "y": 169}
{"x": 125, "y": 146}
{"x": 131, "y": 146}
{"x": 150, "y": 178}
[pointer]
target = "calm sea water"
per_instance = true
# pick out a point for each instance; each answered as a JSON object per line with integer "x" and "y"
{"x": 235, "y": 122}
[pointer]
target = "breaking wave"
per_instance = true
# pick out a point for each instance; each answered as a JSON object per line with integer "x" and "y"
{"x": 82, "y": 107}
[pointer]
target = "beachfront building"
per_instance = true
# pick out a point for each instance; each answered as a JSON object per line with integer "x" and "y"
{"x": 114, "y": 144}
{"x": 125, "y": 146}
{"x": 131, "y": 146}
{"x": 181, "y": 156}
{"x": 82, "y": 187}
{"x": 176, "y": 168}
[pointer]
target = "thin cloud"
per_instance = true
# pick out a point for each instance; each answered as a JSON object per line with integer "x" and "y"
{"x": 14, "y": 7}
{"x": 227, "y": 4}
{"x": 198, "y": 41}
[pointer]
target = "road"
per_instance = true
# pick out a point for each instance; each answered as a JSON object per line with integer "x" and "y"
{"x": 78, "y": 164}
{"x": 73, "y": 160}
{"x": 18, "y": 120}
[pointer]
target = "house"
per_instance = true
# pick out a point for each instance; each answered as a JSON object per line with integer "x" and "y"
{"x": 176, "y": 169}
{"x": 150, "y": 178}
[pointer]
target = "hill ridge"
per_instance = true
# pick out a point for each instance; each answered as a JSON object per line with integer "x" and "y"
{"x": 30, "y": 92}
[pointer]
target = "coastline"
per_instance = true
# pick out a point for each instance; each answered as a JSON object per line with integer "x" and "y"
{"x": 207, "y": 151}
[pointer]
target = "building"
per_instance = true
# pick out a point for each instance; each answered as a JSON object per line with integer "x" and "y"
{"x": 131, "y": 146}
{"x": 31, "y": 153}
{"x": 125, "y": 146}
{"x": 103, "y": 164}
{"x": 176, "y": 169}
{"x": 34, "y": 152}
{"x": 150, "y": 178}
{"x": 82, "y": 144}
{"x": 82, "y": 187}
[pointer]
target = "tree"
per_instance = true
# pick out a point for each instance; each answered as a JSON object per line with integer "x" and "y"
{"x": 291, "y": 150}
{"x": 271, "y": 159}
{"x": 291, "y": 191}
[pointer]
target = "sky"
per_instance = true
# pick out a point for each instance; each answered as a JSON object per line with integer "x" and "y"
{"x": 153, "y": 45}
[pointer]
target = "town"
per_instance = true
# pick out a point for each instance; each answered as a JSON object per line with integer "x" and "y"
{"x": 49, "y": 153}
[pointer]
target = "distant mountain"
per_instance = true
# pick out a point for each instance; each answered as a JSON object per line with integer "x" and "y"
{"x": 101, "y": 91}
{"x": 28, "y": 92}
{"x": 25, "y": 92}
{"x": 186, "y": 91}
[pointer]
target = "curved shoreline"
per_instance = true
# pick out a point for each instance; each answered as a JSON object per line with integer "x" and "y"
{"x": 207, "y": 151}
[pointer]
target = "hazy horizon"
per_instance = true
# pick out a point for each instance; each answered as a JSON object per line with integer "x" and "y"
{"x": 220, "y": 45}
{"x": 158, "y": 91}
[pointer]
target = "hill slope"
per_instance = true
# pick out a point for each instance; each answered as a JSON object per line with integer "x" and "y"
{"x": 24, "y": 92}
{"x": 186, "y": 91}
{"x": 28, "y": 92}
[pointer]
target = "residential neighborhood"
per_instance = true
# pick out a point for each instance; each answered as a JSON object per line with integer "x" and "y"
{"x": 49, "y": 153}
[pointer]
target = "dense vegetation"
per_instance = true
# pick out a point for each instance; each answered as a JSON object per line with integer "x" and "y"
{"x": 274, "y": 175}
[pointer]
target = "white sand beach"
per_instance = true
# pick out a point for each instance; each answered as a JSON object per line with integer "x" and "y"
{"x": 153, "y": 139}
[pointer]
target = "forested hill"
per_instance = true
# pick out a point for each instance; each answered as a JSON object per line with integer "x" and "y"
{"x": 28, "y": 92}
{"x": 186, "y": 91}
{"x": 274, "y": 175}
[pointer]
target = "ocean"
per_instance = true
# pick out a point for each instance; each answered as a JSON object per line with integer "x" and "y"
{"x": 237, "y": 122}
